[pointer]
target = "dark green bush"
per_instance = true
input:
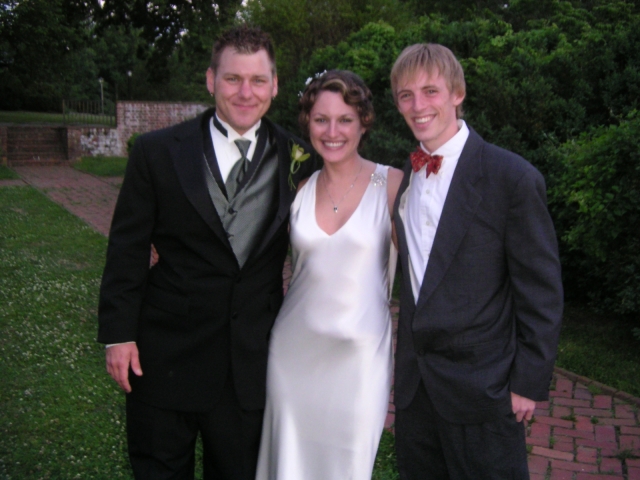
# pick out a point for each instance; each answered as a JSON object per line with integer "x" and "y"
{"x": 596, "y": 205}
{"x": 131, "y": 141}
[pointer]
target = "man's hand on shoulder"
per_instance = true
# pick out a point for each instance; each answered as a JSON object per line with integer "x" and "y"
{"x": 119, "y": 357}
{"x": 522, "y": 407}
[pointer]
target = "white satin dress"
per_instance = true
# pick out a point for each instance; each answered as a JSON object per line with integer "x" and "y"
{"x": 330, "y": 355}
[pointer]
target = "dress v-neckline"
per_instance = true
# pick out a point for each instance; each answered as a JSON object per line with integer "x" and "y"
{"x": 315, "y": 198}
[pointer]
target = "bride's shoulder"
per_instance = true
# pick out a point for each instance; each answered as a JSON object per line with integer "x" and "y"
{"x": 306, "y": 180}
{"x": 394, "y": 176}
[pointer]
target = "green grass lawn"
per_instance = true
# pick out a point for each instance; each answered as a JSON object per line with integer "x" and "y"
{"x": 7, "y": 173}
{"x": 385, "y": 465}
{"x": 61, "y": 417}
{"x": 102, "y": 166}
{"x": 601, "y": 348}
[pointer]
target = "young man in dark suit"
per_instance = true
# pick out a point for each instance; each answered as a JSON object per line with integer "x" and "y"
{"x": 188, "y": 339}
{"x": 481, "y": 300}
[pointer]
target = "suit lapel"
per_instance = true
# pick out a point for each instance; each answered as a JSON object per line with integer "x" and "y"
{"x": 188, "y": 159}
{"x": 285, "y": 193}
{"x": 398, "y": 218}
{"x": 457, "y": 214}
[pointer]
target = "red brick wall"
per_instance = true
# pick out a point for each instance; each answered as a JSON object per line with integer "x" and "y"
{"x": 77, "y": 141}
{"x": 36, "y": 144}
{"x": 141, "y": 117}
{"x": 3, "y": 145}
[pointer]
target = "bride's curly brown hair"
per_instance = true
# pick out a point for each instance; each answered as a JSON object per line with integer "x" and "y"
{"x": 354, "y": 93}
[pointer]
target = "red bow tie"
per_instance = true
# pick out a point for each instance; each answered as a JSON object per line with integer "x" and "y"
{"x": 420, "y": 157}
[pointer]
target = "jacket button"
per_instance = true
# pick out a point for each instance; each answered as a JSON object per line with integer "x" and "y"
{"x": 234, "y": 315}
{"x": 231, "y": 211}
{"x": 421, "y": 352}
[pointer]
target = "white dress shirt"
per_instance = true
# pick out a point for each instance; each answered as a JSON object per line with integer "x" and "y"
{"x": 227, "y": 152}
{"x": 424, "y": 203}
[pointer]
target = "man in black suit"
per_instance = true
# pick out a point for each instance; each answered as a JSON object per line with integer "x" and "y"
{"x": 213, "y": 196}
{"x": 481, "y": 300}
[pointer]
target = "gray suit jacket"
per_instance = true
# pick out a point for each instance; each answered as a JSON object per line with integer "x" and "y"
{"x": 488, "y": 315}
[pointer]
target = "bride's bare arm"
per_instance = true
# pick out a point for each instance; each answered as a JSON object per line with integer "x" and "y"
{"x": 394, "y": 177}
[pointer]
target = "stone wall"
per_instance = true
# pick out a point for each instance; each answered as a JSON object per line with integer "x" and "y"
{"x": 93, "y": 141}
{"x": 131, "y": 117}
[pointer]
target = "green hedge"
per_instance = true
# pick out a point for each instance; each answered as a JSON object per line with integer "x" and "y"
{"x": 596, "y": 204}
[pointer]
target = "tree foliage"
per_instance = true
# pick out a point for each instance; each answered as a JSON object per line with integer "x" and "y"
{"x": 300, "y": 27}
{"x": 596, "y": 202}
{"x": 43, "y": 53}
{"x": 186, "y": 28}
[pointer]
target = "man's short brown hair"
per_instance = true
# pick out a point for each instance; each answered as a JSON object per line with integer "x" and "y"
{"x": 431, "y": 58}
{"x": 246, "y": 40}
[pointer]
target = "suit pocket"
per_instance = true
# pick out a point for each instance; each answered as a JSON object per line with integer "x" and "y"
{"x": 473, "y": 353}
{"x": 168, "y": 301}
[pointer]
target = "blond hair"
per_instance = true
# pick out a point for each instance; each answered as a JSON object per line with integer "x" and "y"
{"x": 433, "y": 59}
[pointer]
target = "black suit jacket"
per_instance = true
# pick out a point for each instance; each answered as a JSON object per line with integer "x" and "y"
{"x": 488, "y": 315}
{"x": 196, "y": 315}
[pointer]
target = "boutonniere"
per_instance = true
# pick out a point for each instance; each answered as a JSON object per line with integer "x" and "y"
{"x": 297, "y": 157}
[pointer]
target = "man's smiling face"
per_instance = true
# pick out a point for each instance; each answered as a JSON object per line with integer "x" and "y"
{"x": 428, "y": 107}
{"x": 243, "y": 85}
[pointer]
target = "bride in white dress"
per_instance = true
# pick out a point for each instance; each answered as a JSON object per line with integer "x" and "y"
{"x": 330, "y": 356}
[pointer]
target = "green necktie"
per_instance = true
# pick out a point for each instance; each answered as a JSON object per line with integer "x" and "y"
{"x": 239, "y": 168}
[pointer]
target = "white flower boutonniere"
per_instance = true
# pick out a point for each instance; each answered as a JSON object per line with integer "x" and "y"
{"x": 297, "y": 157}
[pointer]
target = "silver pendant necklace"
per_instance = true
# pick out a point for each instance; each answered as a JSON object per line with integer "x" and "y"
{"x": 326, "y": 188}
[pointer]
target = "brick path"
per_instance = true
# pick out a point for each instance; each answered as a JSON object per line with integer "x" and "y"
{"x": 586, "y": 431}
{"x": 86, "y": 196}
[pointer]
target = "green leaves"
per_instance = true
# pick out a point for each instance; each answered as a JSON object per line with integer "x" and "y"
{"x": 596, "y": 202}
{"x": 298, "y": 156}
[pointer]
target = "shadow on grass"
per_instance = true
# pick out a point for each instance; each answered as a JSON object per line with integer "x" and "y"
{"x": 601, "y": 348}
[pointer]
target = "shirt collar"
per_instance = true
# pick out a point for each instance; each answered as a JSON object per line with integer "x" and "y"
{"x": 453, "y": 147}
{"x": 232, "y": 135}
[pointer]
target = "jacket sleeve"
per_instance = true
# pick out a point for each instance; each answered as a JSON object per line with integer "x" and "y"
{"x": 534, "y": 271}
{"x": 128, "y": 251}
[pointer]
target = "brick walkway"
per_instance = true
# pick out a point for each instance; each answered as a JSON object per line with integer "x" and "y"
{"x": 86, "y": 196}
{"x": 586, "y": 431}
